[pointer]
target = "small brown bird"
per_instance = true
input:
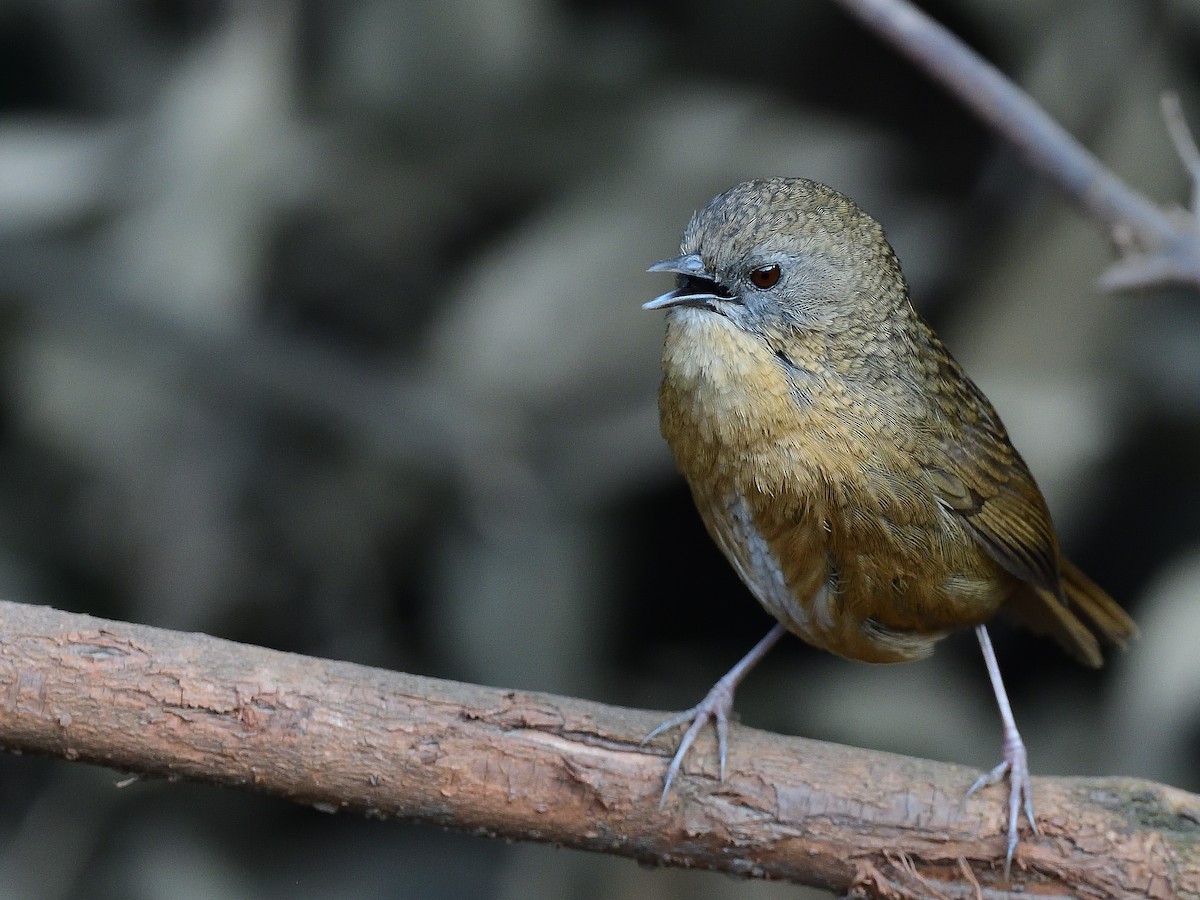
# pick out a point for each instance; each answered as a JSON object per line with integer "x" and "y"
{"x": 861, "y": 485}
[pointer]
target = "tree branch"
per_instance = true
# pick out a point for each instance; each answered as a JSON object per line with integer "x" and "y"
{"x": 530, "y": 766}
{"x": 1159, "y": 246}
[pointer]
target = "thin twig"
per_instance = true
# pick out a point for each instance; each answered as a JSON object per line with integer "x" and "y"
{"x": 965, "y": 868}
{"x": 1185, "y": 143}
{"x": 1160, "y": 247}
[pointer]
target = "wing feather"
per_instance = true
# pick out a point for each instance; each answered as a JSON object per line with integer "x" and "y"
{"x": 978, "y": 475}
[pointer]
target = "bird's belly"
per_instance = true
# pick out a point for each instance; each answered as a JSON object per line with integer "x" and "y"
{"x": 835, "y": 541}
{"x": 799, "y": 598}
{"x": 875, "y": 603}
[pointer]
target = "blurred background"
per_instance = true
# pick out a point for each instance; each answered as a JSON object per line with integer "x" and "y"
{"x": 321, "y": 330}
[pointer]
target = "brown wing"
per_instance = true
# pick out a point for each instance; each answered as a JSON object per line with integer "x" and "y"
{"x": 979, "y": 476}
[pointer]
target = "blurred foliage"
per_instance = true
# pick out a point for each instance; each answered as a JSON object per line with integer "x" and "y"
{"x": 320, "y": 330}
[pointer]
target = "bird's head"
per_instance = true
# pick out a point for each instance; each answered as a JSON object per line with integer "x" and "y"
{"x": 780, "y": 254}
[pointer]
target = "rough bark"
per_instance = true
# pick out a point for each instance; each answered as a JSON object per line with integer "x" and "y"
{"x": 532, "y": 766}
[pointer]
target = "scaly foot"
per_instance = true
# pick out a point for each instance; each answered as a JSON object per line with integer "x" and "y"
{"x": 1015, "y": 766}
{"x": 717, "y": 705}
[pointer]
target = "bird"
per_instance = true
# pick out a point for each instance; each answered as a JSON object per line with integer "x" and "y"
{"x": 861, "y": 485}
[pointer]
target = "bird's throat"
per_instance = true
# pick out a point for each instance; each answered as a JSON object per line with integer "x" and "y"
{"x": 726, "y": 387}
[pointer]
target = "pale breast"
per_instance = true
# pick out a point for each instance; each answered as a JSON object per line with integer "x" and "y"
{"x": 723, "y": 387}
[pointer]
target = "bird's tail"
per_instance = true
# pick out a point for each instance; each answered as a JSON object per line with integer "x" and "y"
{"x": 1084, "y": 595}
{"x": 1083, "y": 612}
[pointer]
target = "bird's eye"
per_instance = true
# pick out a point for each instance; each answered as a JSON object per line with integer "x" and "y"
{"x": 765, "y": 277}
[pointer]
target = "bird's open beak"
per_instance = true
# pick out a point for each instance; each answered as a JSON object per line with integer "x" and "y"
{"x": 696, "y": 286}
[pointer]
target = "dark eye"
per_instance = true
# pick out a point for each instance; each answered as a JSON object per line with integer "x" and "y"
{"x": 765, "y": 277}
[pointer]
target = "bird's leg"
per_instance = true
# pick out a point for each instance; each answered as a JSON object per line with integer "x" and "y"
{"x": 1015, "y": 766}
{"x": 716, "y": 705}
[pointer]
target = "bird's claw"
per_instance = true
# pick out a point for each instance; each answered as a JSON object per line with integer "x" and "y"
{"x": 1015, "y": 768}
{"x": 717, "y": 706}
